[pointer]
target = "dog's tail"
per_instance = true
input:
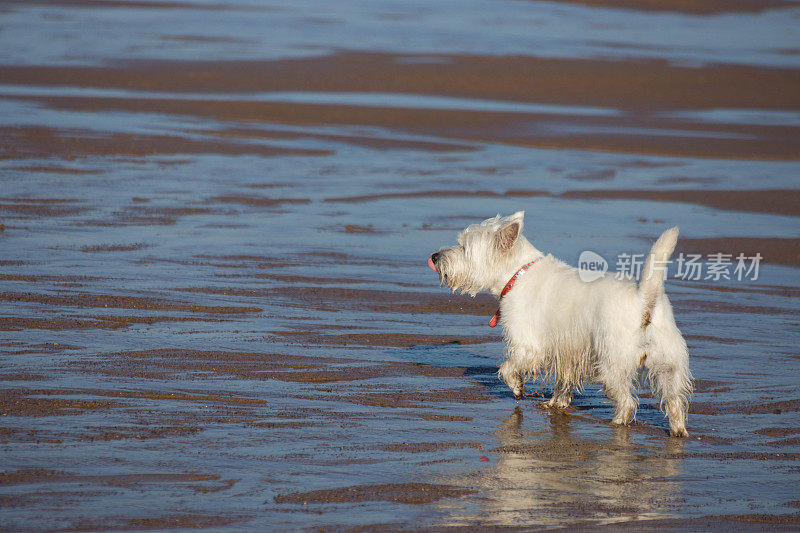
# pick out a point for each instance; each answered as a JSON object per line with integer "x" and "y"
{"x": 651, "y": 286}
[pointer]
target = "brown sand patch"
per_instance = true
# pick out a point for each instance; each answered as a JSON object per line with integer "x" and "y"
{"x": 772, "y": 250}
{"x": 178, "y": 395}
{"x": 414, "y": 194}
{"x": 42, "y": 201}
{"x": 22, "y": 348}
{"x": 306, "y": 280}
{"x": 257, "y": 366}
{"x": 360, "y": 373}
{"x": 40, "y": 475}
{"x": 698, "y": 181}
{"x": 729, "y": 307}
{"x": 709, "y": 386}
{"x": 44, "y": 278}
{"x": 730, "y": 456}
{"x": 428, "y": 447}
{"x": 113, "y": 247}
{"x": 23, "y": 376}
{"x": 92, "y": 322}
{"x": 411, "y": 493}
{"x": 394, "y": 340}
{"x": 791, "y": 441}
{"x": 693, "y": 7}
{"x": 355, "y": 228}
{"x": 151, "y": 430}
{"x": 634, "y": 85}
{"x": 39, "y": 207}
{"x": 41, "y": 142}
{"x": 785, "y": 519}
{"x": 30, "y": 436}
{"x": 120, "y": 302}
{"x": 23, "y": 402}
{"x": 145, "y": 215}
{"x": 407, "y": 399}
{"x": 26, "y": 476}
{"x": 771, "y": 290}
{"x": 443, "y": 418}
{"x": 282, "y": 425}
{"x": 714, "y": 408}
{"x": 778, "y": 201}
{"x": 702, "y": 523}
{"x": 138, "y": 432}
{"x": 620, "y": 134}
{"x": 777, "y": 432}
{"x": 151, "y": 422}
{"x": 258, "y": 201}
{"x": 8, "y": 323}
{"x": 162, "y": 523}
{"x": 338, "y": 298}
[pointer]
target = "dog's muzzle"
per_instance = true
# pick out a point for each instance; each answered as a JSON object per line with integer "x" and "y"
{"x": 432, "y": 260}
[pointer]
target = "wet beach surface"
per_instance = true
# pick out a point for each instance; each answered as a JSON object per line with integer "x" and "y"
{"x": 214, "y": 220}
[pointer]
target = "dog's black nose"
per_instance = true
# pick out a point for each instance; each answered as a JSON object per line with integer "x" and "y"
{"x": 435, "y": 257}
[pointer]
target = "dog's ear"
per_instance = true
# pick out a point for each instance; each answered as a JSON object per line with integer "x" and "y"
{"x": 507, "y": 235}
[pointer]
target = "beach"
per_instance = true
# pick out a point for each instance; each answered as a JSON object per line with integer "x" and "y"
{"x": 215, "y": 308}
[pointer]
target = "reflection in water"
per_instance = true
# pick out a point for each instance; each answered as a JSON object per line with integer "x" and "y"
{"x": 552, "y": 477}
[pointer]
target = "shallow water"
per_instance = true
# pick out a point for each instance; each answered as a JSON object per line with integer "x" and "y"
{"x": 216, "y": 311}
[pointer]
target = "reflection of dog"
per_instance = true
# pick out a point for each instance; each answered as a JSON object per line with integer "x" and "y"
{"x": 606, "y": 330}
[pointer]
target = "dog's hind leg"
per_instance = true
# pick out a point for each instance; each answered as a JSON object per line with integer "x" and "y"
{"x": 667, "y": 365}
{"x": 624, "y": 407}
{"x": 673, "y": 383}
{"x": 618, "y": 390}
{"x": 617, "y": 374}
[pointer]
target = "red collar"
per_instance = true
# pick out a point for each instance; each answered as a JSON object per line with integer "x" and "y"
{"x": 511, "y": 282}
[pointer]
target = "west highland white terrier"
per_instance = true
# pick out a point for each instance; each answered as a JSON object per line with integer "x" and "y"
{"x": 607, "y": 331}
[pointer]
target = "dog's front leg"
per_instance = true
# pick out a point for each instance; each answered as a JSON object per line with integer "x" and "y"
{"x": 624, "y": 402}
{"x": 512, "y": 377}
{"x": 522, "y": 363}
{"x": 562, "y": 396}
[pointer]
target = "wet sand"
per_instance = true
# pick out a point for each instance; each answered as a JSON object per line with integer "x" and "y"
{"x": 687, "y": 6}
{"x": 633, "y": 106}
{"x": 541, "y": 130}
{"x": 214, "y": 306}
{"x": 625, "y": 85}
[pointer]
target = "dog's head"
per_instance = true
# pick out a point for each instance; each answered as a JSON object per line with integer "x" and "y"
{"x": 483, "y": 255}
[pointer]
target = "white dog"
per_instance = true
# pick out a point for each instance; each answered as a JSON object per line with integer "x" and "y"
{"x": 556, "y": 325}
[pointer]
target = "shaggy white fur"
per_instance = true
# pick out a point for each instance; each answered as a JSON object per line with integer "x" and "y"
{"x": 560, "y": 327}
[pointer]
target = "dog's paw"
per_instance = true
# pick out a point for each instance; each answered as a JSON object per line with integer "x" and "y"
{"x": 678, "y": 432}
{"x": 519, "y": 392}
{"x": 621, "y": 420}
{"x": 558, "y": 402}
